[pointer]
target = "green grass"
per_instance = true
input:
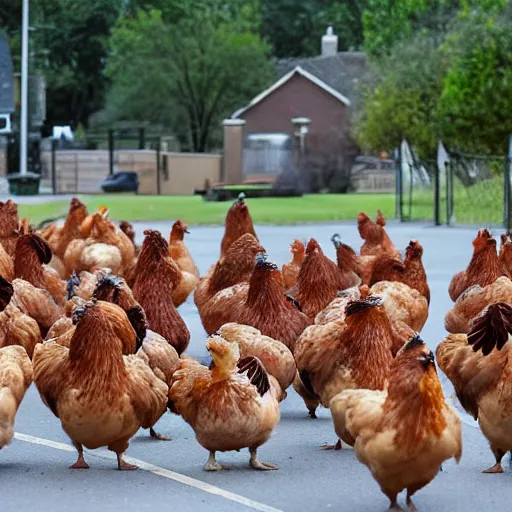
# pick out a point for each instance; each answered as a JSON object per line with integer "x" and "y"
{"x": 193, "y": 210}
{"x": 481, "y": 203}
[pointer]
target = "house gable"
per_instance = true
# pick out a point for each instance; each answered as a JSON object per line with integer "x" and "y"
{"x": 285, "y": 79}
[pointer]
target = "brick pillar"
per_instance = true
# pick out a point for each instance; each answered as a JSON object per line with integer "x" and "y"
{"x": 233, "y": 151}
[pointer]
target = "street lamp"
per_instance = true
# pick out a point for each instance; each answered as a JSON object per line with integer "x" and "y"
{"x": 302, "y": 124}
{"x": 24, "y": 88}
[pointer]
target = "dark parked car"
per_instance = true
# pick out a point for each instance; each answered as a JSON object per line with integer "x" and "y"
{"x": 121, "y": 182}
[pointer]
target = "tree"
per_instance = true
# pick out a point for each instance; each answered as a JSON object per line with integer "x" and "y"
{"x": 402, "y": 99}
{"x": 188, "y": 75}
{"x": 387, "y": 22}
{"x": 475, "y": 104}
{"x": 295, "y": 27}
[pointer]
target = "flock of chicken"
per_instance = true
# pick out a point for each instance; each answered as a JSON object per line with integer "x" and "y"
{"x": 92, "y": 319}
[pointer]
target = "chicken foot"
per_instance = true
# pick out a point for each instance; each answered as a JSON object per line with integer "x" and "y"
{"x": 497, "y": 468}
{"x": 122, "y": 465}
{"x": 159, "y": 437}
{"x": 80, "y": 462}
{"x": 258, "y": 464}
{"x": 337, "y": 446}
{"x": 212, "y": 464}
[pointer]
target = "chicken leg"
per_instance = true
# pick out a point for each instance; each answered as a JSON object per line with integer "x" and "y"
{"x": 122, "y": 465}
{"x": 497, "y": 468}
{"x": 80, "y": 462}
{"x": 159, "y": 437}
{"x": 212, "y": 464}
{"x": 337, "y": 446}
{"x": 258, "y": 464}
{"x": 410, "y": 504}
{"x": 393, "y": 506}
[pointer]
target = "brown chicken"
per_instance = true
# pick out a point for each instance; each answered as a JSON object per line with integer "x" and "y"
{"x": 376, "y": 240}
{"x": 238, "y": 222}
{"x": 104, "y": 246}
{"x": 290, "y": 270}
{"x": 275, "y": 356}
{"x": 101, "y": 397}
{"x": 348, "y": 262}
{"x": 36, "y": 303}
{"x": 16, "y": 328}
{"x": 156, "y": 276}
{"x": 261, "y": 303}
{"x": 15, "y": 378}
{"x": 178, "y": 250}
{"x": 152, "y": 348}
{"x": 411, "y": 272}
{"x": 127, "y": 228}
{"x": 179, "y": 253}
{"x": 376, "y": 243}
{"x": 318, "y": 282}
{"x": 9, "y": 226}
{"x": 355, "y": 354}
{"x": 70, "y": 230}
{"x": 402, "y": 303}
{"x": 483, "y": 269}
{"x": 233, "y": 268}
{"x": 234, "y": 405}
{"x": 505, "y": 255}
{"x": 482, "y": 379}
{"x": 403, "y": 434}
{"x": 32, "y": 254}
{"x": 473, "y": 301}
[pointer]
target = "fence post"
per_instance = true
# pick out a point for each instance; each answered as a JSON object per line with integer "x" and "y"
{"x": 158, "y": 177}
{"x": 142, "y": 138}
{"x": 54, "y": 166}
{"x": 506, "y": 173}
{"x": 111, "y": 151}
{"x": 448, "y": 168}
{"x": 398, "y": 186}
{"x": 437, "y": 198}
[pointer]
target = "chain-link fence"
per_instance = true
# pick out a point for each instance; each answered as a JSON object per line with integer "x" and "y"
{"x": 415, "y": 185}
{"x": 456, "y": 189}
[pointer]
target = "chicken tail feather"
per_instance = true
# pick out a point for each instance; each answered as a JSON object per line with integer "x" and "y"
{"x": 491, "y": 329}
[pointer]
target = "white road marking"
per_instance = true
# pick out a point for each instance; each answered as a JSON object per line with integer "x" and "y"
{"x": 166, "y": 473}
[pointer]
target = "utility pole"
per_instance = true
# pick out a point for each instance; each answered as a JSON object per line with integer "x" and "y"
{"x": 24, "y": 88}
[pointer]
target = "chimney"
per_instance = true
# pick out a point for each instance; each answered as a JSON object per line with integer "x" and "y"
{"x": 329, "y": 43}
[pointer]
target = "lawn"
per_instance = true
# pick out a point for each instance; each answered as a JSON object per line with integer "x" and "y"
{"x": 193, "y": 210}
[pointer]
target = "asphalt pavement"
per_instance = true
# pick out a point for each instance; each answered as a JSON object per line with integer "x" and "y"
{"x": 34, "y": 468}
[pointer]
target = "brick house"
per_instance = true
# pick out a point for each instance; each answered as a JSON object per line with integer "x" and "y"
{"x": 322, "y": 89}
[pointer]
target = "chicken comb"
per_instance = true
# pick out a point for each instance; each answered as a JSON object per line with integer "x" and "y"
{"x": 336, "y": 240}
{"x": 255, "y": 372}
{"x": 491, "y": 329}
{"x": 356, "y": 306}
